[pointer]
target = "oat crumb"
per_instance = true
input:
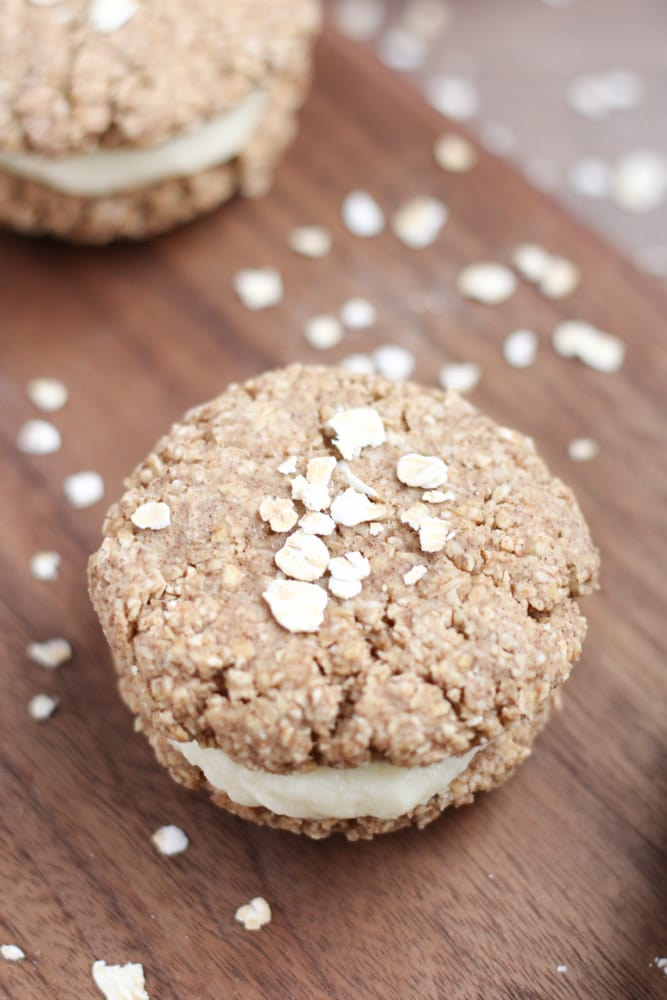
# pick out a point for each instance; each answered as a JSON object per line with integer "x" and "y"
{"x": 259, "y": 288}
{"x": 48, "y": 394}
{"x": 50, "y": 654}
{"x": 582, "y": 449}
{"x": 38, "y": 437}
{"x": 45, "y": 565}
{"x": 255, "y": 914}
{"x": 297, "y": 606}
{"x": 120, "y": 982}
{"x": 152, "y": 515}
{"x": 42, "y": 707}
{"x": 414, "y": 575}
{"x": 12, "y": 952}
{"x": 310, "y": 241}
{"x": 280, "y": 513}
{"x": 83, "y": 489}
{"x": 170, "y": 840}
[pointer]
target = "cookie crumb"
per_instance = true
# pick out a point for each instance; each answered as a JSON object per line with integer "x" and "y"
{"x": 255, "y": 914}
{"x": 362, "y": 215}
{"x": 561, "y": 968}
{"x": 120, "y": 982}
{"x": 582, "y": 449}
{"x": 347, "y": 572}
{"x": 531, "y": 261}
{"x": 375, "y": 528}
{"x": 463, "y": 377}
{"x": 303, "y": 557}
{"x": 357, "y": 428}
{"x": 297, "y": 606}
{"x": 152, "y": 515}
{"x": 83, "y": 489}
{"x": 38, "y": 437}
{"x": 45, "y": 565}
{"x": 170, "y": 840}
{"x": 433, "y": 534}
{"x": 11, "y": 952}
{"x": 454, "y": 153}
{"x": 358, "y": 314}
{"x": 424, "y": 471}
{"x": 414, "y": 575}
{"x": 110, "y": 15}
{"x": 50, "y": 654}
{"x": 487, "y": 282}
{"x": 520, "y": 348}
{"x": 314, "y": 496}
{"x": 320, "y": 470}
{"x": 310, "y": 241}
{"x": 394, "y": 362}
{"x": 419, "y": 222}
{"x": 48, "y": 394}
{"x": 358, "y": 484}
{"x": 323, "y": 332}
{"x": 351, "y": 508}
{"x": 42, "y": 707}
{"x": 279, "y": 512}
{"x": 259, "y": 288}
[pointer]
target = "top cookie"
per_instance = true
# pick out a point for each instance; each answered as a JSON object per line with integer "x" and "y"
{"x": 82, "y": 75}
{"x": 436, "y": 607}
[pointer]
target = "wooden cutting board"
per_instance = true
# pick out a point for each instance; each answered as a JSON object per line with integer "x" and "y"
{"x": 563, "y": 864}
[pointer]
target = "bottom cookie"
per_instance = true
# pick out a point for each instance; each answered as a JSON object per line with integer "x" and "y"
{"x": 489, "y": 769}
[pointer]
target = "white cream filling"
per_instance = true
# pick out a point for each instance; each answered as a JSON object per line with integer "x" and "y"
{"x": 94, "y": 175}
{"x": 380, "y": 790}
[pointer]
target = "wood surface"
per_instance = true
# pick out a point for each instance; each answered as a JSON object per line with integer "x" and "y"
{"x": 565, "y": 863}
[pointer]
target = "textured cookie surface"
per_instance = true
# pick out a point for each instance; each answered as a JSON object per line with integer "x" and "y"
{"x": 406, "y": 672}
{"x": 71, "y": 85}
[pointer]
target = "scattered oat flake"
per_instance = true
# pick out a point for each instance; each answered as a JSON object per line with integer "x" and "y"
{"x": 120, "y": 982}
{"x": 351, "y": 508}
{"x": 51, "y": 653}
{"x": 375, "y": 528}
{"x": 38, "y": 437}
{"x": 454, "y": 153}
{"x": 418, "y": 222}
{"x": 531, "y": 261}
{"x": 303, "y": 557}
{"x": 358, "y": 314}
{"x": 497, "y": 137}
{"x": 453, "y": 96}
{"x": 599, "y": 350}
{"x": 48, "y": 394}
{"x": 83, "y": 489}
{"x": 350, "y": 566}
{"x": 316, "y": 523}
{"x": 170, "y": 840}
{"x": 314, "y": 496}
{"x": 424, "y": 471}
{"x": 560, "y": 278}
{"x": 310, "y": 241}
{"x": 320, "y": 470}
{"x": 11, "y": 952}
{"x": 108, "y": 15}
{"x": 356, "y": 483}
{"x": 256, "y": 913}
{"x": 280, "y": 513}
{"x": 362, "y": 215}
{"x": 433, "y": 534}
{"x": 288, "y": 466}
{"x": 359, "y": 20}
{"x": 259, "y": 288}
{"x": 45, "y": 565}
{"x": 639, "y": 182}
{"x": 402, "y": 50}
{"x": 297, "y": 606}
{"x": 661, "y": 963}
{"x": 487, "y": 282}
{"x": 42, "y": 706}
{"x": 582, "y": 449}
{"x": 323, "y": 332}
{"x": 414, "y": 575}
{"x": 394, "y": 362}
{"x": 360, "y": 364}
{"x": 561, "y": 968}
{"x": 152, "y": 515}
{"x": 590, "y": 177}
{"x": 414, "y": 515}
{"x": 357, "y": 428}
{"x": 345, "y": 589}
{"x": 462, "y": 377}
{"x": 520, "y": 348}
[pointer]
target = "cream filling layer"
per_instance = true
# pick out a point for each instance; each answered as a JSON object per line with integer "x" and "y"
{"x": 94, "y": 175}
{"x": 380, "y": 790}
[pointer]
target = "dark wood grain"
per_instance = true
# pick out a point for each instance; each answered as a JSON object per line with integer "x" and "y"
{"x": 565, "y": 864}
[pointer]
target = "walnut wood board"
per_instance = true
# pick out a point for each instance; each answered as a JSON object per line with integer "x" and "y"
{"x": 565, "y": 863}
